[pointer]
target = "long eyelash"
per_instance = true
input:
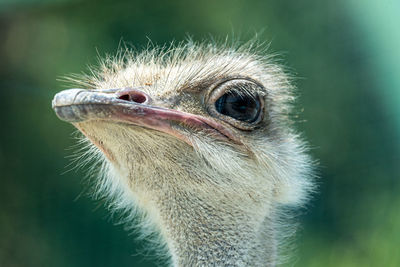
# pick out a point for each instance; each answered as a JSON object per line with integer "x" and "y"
{"x": 244, "y": 90}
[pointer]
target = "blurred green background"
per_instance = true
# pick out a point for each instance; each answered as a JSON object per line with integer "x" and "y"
{"x": 346, "y": 54}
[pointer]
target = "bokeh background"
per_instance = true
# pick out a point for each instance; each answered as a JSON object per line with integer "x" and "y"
{"x": 345, "y": 53}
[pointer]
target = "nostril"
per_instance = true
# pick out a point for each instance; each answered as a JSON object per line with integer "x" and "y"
{"x": 136, "y": 97}
{"x": 124, "y": 97}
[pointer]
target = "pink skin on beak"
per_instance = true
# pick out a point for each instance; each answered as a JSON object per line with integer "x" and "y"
{"x": 131, "y": 106}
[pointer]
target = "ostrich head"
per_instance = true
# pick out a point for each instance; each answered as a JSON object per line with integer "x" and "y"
{"x": 199, "y": 138}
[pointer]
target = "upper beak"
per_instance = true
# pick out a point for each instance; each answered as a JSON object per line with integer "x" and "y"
{"x": 133, "y": 106}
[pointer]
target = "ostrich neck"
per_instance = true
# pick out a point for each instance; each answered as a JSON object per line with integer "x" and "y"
{"x": 208, "y": 240}
{"x": 200, "y": 232}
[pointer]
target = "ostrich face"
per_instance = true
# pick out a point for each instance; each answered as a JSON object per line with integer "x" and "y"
{"x": 198, "y": 127}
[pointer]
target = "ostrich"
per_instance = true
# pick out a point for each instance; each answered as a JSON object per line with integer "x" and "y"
{"x": 199, "y": 139}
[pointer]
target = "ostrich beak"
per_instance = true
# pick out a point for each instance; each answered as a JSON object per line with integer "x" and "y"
{"x": 132, "y": 106}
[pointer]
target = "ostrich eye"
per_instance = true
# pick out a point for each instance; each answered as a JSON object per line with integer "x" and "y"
{"x": 239, "y": 106}
{"x": 239, "y": 102}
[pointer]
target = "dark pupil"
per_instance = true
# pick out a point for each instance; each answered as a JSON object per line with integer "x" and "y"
{"x": 240, "y": 107}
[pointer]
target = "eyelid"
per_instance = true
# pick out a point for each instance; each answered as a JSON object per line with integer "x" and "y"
{"x": 221, "y": 85}
{"x": 234, "y": 85}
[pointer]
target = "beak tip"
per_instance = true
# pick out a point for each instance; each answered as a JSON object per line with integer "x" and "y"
{"x": 65, "y": 98}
